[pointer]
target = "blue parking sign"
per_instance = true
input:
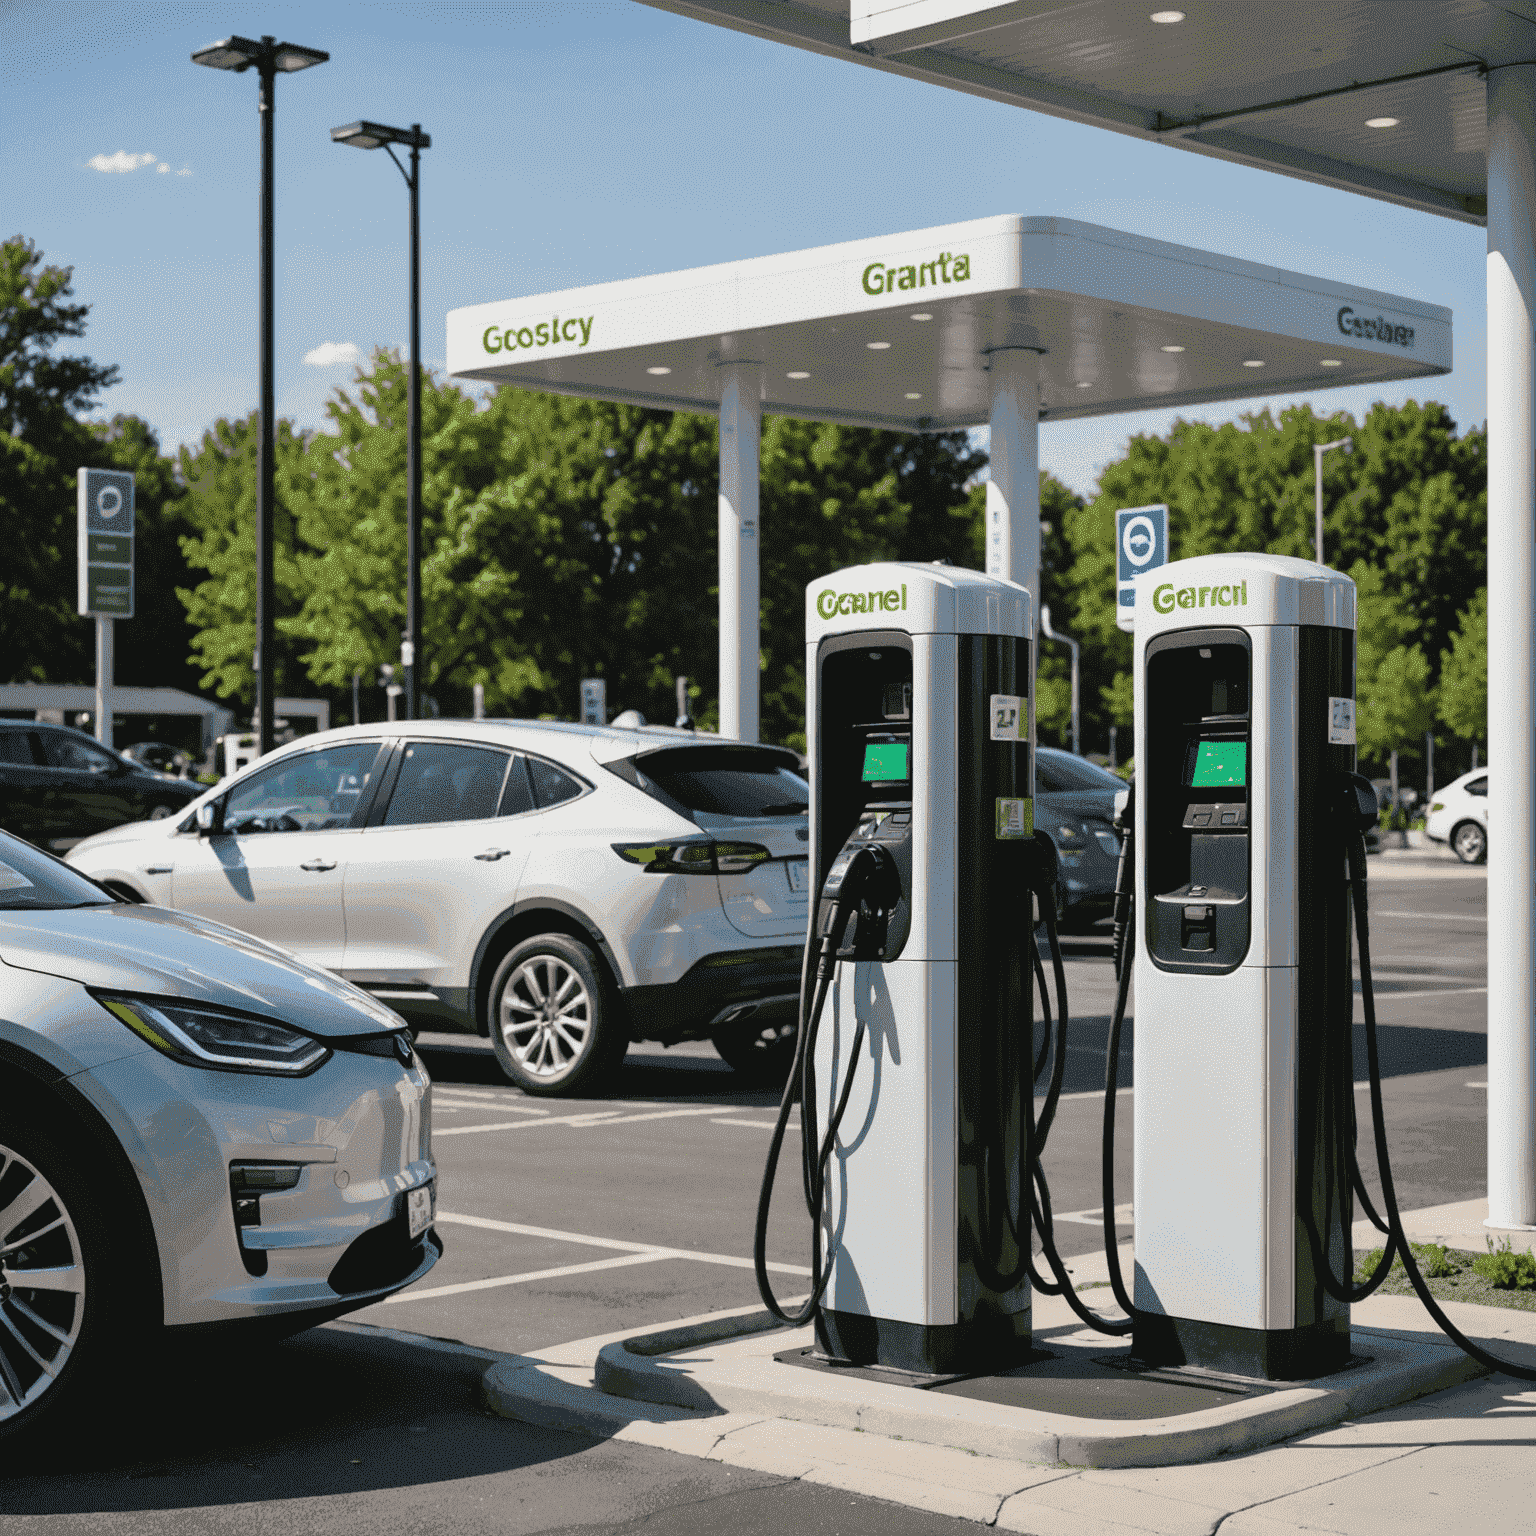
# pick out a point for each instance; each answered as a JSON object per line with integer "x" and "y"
{"x": 1141, "y": 544}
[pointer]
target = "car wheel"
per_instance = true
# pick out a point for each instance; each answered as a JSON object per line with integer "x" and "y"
{"x": 762, "y": 1051}
{"x": 553, "y": 1021}
{"x": 1470, "y": 842}
{"x": 65, "y": 1305}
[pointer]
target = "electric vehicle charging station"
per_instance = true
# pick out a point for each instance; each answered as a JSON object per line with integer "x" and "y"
{"x": 920, "y": 726}
{"x": 1245, "y": 699}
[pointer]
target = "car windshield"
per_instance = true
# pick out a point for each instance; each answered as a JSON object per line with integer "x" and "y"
{"x": 31, "y": 881}
{"x": 1059, "y": 773}
{"x": 727, "y": 781}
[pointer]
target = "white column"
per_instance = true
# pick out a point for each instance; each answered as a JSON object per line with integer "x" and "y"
{"x": 1512, "y": 647}
{"x": 1013, "y": 485}
{"x": 741, "y": 419}
{"x": 104, "y": 669}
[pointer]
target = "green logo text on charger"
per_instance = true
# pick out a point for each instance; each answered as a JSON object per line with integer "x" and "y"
{"x": 1168, "y": 597}
{"x": 829, "y": 603}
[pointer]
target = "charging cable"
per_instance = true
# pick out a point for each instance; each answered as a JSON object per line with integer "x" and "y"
{"x": 861, "y": 891}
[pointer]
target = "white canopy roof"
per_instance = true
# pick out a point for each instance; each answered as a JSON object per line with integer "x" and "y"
{"x": 896, "y": 331}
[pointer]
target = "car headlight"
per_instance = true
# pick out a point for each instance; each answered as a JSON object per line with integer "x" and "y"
{"x": 1107, "y": 841}
{"x": 222, "y": 1042}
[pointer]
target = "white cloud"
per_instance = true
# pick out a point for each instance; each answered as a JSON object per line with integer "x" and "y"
{"x": 120, "y": 163}
{"x": 331, "y": 354}
{"x": 162, "y": 169}
{"x": 186, "y": 170}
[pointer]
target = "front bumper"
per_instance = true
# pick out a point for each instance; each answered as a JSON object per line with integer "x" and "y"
{"x": 735, "y": 988}
{"x": 359, "y": 1130}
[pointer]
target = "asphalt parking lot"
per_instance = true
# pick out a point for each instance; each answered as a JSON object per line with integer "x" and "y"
{"x": 568, "y": 1218}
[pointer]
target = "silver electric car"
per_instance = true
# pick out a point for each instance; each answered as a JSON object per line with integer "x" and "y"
{"x": 196, "y": 1131}
{"x": 563, "y": 889}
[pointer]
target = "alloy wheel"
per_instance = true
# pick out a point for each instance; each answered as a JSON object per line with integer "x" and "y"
{"x": 546, "y": 1016}
{"x": 1471, "y": 843}
{"x": 42, "y": 1284}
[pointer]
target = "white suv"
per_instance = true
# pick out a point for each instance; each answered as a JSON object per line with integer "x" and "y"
{"x": 1459, "y": 816}
{"x": 562, "y": 889}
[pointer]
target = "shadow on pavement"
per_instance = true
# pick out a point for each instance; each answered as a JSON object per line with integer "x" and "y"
{"x": 328, "y": 1412}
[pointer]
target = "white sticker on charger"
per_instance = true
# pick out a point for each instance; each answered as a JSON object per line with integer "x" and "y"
{"x": 1341, "y": 722}
{"x": 1007, "y": 716}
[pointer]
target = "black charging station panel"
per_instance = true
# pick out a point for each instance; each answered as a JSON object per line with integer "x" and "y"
{"x": 1198, "y": 776}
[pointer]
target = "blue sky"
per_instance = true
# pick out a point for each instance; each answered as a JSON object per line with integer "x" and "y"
{"x": 572, "y": 143}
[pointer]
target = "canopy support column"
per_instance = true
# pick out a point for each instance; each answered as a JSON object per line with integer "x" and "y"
{"x": 741, "y": 419}
{"x": 1512, "y": 647}
{"x": 1013, "y": 485}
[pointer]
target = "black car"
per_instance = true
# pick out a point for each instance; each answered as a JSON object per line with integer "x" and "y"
{"x": 1075, "y": 806}
{"x": 59, "y": 785}
{"x": 161, "y": 757}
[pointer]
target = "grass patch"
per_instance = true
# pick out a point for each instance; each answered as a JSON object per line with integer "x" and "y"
{"x": 1501, "y": 1277}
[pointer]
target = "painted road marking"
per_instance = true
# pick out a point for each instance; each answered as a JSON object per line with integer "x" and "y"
{"x": 664, "y": 1114}
{"x": 1475, "y": 1085}
{"x": 447, "y": 1101}
{"x": 1397, "y": 997}
{"x": 1442, "y": 917}
{"x": 758, "y": 1125}
{"x": 520, "y": 1125}
{"x": 533, "y": 1274}
{"x": 521, "y": 1229}
{"x": 1095, "y": 1217}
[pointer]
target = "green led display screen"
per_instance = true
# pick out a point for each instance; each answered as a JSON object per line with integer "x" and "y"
{"x": 1220, "y": 764}
{"x": 885, "y": 761}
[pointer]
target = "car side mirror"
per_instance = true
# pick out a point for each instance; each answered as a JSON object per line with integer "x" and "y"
{"x": 210, "y": 818}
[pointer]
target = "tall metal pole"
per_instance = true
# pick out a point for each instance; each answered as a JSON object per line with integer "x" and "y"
{"x": 1512, "y": 646}
{"x": 741, "y": 418}
{"x": 1013, "y": 477}
{"x": 411, "y": 654}
{"x": 1317, "y": 480}
{"x": 104, "y": 680}
{"x": 267, "y": 67}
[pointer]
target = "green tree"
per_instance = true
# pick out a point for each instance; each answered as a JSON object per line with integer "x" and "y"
{"x": 1463, "y": 696}
{"x": 1410, "y": 503}
{"x": 43, "y": 442}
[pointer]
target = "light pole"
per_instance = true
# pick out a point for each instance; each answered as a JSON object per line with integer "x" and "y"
{"x": 363, "y": 135}
{"x": 1318, "y": 450}
{"x": 269, "y": 57}
{"x": 1050, "y": 634}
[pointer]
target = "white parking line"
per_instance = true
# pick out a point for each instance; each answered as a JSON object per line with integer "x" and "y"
{"x": 1440, "y": 917}
{"x": 520, "y": 1229}
{"x": 757, "y": 1125}
{"x": 525, "y": 1279}
{"x": 446, "y": 1101}
{"x": 520, "y": 1125}
{"x": 1095, "y": 1217}
{"x": 663, "y": 1114}
{"x": 1393, "y": 997}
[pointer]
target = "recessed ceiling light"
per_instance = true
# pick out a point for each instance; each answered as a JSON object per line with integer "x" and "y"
{"x": 922, "y": 317}
{"x": 1167, "y": 18}
{"x": 658, "y": 371}
{"x": 1332, "y": 362}
{"x": 1381, "y": 122}
{"x": 797, "y": 375}
{"x": 911, "y": 396}
{"x": 878, "y": 346}
{"x": 1085, "y": 384}
{"x": 1253, "y": 362}
{"x": 1173, "y": 349}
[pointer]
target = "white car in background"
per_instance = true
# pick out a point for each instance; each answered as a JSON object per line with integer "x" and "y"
{"x": 562, "y": 889}
{"x": 1458, "y": 815}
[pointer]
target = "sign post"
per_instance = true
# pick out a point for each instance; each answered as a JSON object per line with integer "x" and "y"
{"x": 104, "y": 531}
{"x": 1141, "y": 544}
{"x": 594, "y": 701}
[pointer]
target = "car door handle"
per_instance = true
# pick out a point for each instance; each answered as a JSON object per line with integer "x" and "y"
{"x": 490, "y": 855}
{"x": 319, "y": 864}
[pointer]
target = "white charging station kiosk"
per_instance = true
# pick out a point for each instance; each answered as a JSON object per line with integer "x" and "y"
{"x": 920, "y": 729}
{"x": 1245, "y": 700}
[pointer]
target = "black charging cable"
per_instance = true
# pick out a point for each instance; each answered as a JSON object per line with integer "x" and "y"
{"x": 1356, "y": 854}
{"x": 861, "y": 891}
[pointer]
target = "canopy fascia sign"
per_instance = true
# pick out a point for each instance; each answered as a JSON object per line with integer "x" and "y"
{"x": 1008, "y": 321}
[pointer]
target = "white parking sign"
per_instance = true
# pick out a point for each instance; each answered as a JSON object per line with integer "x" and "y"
{"x": 1141, "y": 544}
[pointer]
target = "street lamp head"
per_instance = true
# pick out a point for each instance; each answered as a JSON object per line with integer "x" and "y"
{"x": 236, "y": 53}
{"x": 365, "y": 135}
{"x": 240, "y": 53}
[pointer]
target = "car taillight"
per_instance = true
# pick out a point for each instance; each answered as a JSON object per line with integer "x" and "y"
{"x": 693, "y": 856}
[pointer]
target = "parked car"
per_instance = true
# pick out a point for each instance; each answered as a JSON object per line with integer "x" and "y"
{"x": 1075, "y": 806}
{"x": 58, "y": 785}
{"x": 1458, "y": 815}
{"x": 562, "y": 889}
{"x": 162, "y": 757}
{"x": 195, "y": 1129}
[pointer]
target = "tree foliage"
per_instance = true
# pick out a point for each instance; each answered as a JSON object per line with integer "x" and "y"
{"x": 1463, "y": 696}
{"x": 1409, "y": 506}
{"x": 44, "y": 440}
